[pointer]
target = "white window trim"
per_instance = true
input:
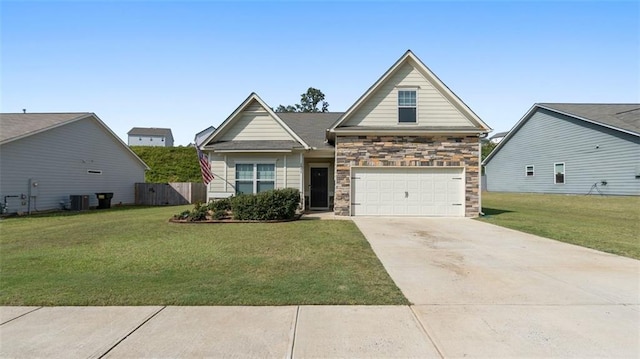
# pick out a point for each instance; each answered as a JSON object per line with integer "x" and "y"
{"x": 255, "y": 173}
{"x": 564, "y": 172}
{"x": 398, "y": 89}
{"x": 533, "y": 170}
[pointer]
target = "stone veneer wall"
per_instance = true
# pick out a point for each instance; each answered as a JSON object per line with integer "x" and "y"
{"x": 428, "y": 151}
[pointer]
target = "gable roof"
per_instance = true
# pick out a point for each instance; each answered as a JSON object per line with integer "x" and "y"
{"x": 237, "y": 114}
{"x": 15, "y": 126}
{"x": 150, "y": 131}
{"x": 620, "y": 117}
{"x": 202, "y": 135}
{"x": 409, "y": 57}
{"x": 311, "y": 126}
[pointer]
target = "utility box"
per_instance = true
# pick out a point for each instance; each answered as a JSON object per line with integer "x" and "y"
{"x": 104, "y": 200}
{"x": 33, "y": 187}
{"x": 79, "y": 202}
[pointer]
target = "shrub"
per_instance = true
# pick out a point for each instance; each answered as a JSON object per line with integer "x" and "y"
{"x": 199, "y": 213}
{"x": 271, "y": 205}
{"x": 277, "y": 204}
{"x": 223, "y": 204}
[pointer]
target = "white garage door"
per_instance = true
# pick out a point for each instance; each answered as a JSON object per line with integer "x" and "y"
{"x": 407, "y": 191}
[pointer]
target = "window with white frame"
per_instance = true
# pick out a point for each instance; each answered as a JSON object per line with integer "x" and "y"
{"x": 407, "y": 106}
{"x": 558, "y": 170}
{"x": 255, "y": 177}
{"x": 528, "y": 171}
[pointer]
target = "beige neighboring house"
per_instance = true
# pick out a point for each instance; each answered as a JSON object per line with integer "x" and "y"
{"x": 408, "y": 147}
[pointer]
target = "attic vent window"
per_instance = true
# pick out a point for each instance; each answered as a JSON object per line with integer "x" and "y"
{"x": 94, "y": 172}
{"x": 407, "y": 108}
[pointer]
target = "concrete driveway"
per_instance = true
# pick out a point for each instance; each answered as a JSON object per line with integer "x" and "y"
{"x": 485, "y": 291}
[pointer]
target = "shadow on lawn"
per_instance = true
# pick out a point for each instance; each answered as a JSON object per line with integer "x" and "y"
{"x": 494, "y": 211}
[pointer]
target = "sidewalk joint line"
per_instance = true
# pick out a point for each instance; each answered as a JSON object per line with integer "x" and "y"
{"x": 293, "y": 334}
{"x": 426, "y": 332}
{"x": 20, "y": 316}
{"x": 131, "y": 332}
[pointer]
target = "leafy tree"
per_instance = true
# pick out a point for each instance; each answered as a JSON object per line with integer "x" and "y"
{"x": 487, "y": 147}
{"x": 309, "y": 102}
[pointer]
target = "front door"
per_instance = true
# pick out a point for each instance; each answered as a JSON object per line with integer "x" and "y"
{"x": 319, "y": 196}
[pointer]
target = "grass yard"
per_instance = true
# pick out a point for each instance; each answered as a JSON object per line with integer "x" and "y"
{"x": 610, "y": 224}
{"x": 133, "y": 256}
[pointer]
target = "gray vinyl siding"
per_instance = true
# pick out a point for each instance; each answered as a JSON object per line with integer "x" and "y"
{"x": 591, "y": 154}
{"x": 433, "y": 108}
{"x": 287, "y": 174}
{"x": 60, "y": 158}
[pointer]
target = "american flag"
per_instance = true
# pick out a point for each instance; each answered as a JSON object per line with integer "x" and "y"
{"x": 205, "y": 166}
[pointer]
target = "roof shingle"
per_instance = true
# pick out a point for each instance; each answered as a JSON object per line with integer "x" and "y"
{"x": 311, "y": 126}
{"x": 18, "y": 125}
{"x": 149, "y": 131}
{"x": 621, "y": 116}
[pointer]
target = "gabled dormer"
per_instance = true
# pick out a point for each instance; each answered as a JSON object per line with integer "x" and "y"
{"x": 409, "y": 98}
{"x": 253, "y": 127}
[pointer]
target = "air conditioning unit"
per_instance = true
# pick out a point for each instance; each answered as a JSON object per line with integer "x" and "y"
{"x": 79, "y": 202}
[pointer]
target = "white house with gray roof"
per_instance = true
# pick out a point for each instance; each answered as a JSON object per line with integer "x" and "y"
{"x": 150, "y": 136}
{"x": 570, "y": 148}
{"x": 47, "y": 157}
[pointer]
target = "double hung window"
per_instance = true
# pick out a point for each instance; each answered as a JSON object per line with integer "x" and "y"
{"x": 558, "y": 169}
{"x": 407, "y": 106}
{"x": 529, "y": 171}
{"x": 255, "y": 177}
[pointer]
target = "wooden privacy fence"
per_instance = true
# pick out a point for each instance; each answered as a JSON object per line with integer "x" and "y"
{"x": 175, "y": 193}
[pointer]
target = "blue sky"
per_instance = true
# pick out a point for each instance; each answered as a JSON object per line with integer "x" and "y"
{"x": 188, "y": 65}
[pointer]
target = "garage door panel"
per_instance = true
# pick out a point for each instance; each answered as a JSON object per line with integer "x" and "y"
{"x": 422, "y": 191}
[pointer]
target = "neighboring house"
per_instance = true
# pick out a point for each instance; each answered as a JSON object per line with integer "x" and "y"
{"x": 570, "y": 148}
{"x": 203, "y": 135}
{"x": 409, "y": 146}
{"x": 496, "y": 138}
{"x": 141, "y": 136}
{"x": 47, "y": 157}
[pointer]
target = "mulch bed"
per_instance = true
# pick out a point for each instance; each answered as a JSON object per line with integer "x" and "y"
{"x": 230, "y": 220}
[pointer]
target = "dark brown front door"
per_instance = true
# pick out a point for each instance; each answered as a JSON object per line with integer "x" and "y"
{"x": 319, "y": 187}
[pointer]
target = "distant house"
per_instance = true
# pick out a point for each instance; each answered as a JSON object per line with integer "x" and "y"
{"x": 496, "y": 138}
{"x": 570, "y": 148}
{"x": 47, "y": 157}
{"x": 407, "y": 147}
{"x": 142, "y": 136}
{"x": 202, "y": 135}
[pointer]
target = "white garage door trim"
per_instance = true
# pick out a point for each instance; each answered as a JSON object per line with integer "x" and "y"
{"x": 408, "y": 191}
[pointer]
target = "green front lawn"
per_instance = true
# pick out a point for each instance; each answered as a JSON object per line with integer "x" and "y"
{"x": 610, "y": 224}
{"x": 135, "y": 257}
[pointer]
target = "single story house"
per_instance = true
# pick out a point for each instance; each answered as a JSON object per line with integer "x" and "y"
{"x": 47, "y": 157}
{"x": 407, "y": 147}
{"x": 570, "y": 148}
{"x": 150, "y": 136}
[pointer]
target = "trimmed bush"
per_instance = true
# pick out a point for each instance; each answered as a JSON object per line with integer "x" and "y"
{"x": 279, "y": 204}
{"x": 276, "y": 204}
{"x": 223, "y": 204}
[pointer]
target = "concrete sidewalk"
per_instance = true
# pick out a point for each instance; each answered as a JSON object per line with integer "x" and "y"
{"x": 214, "y": 332}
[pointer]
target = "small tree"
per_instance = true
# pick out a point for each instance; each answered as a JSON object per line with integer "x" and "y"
{"x": 309, "y": 102}
{"x": 487, "y": 147}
